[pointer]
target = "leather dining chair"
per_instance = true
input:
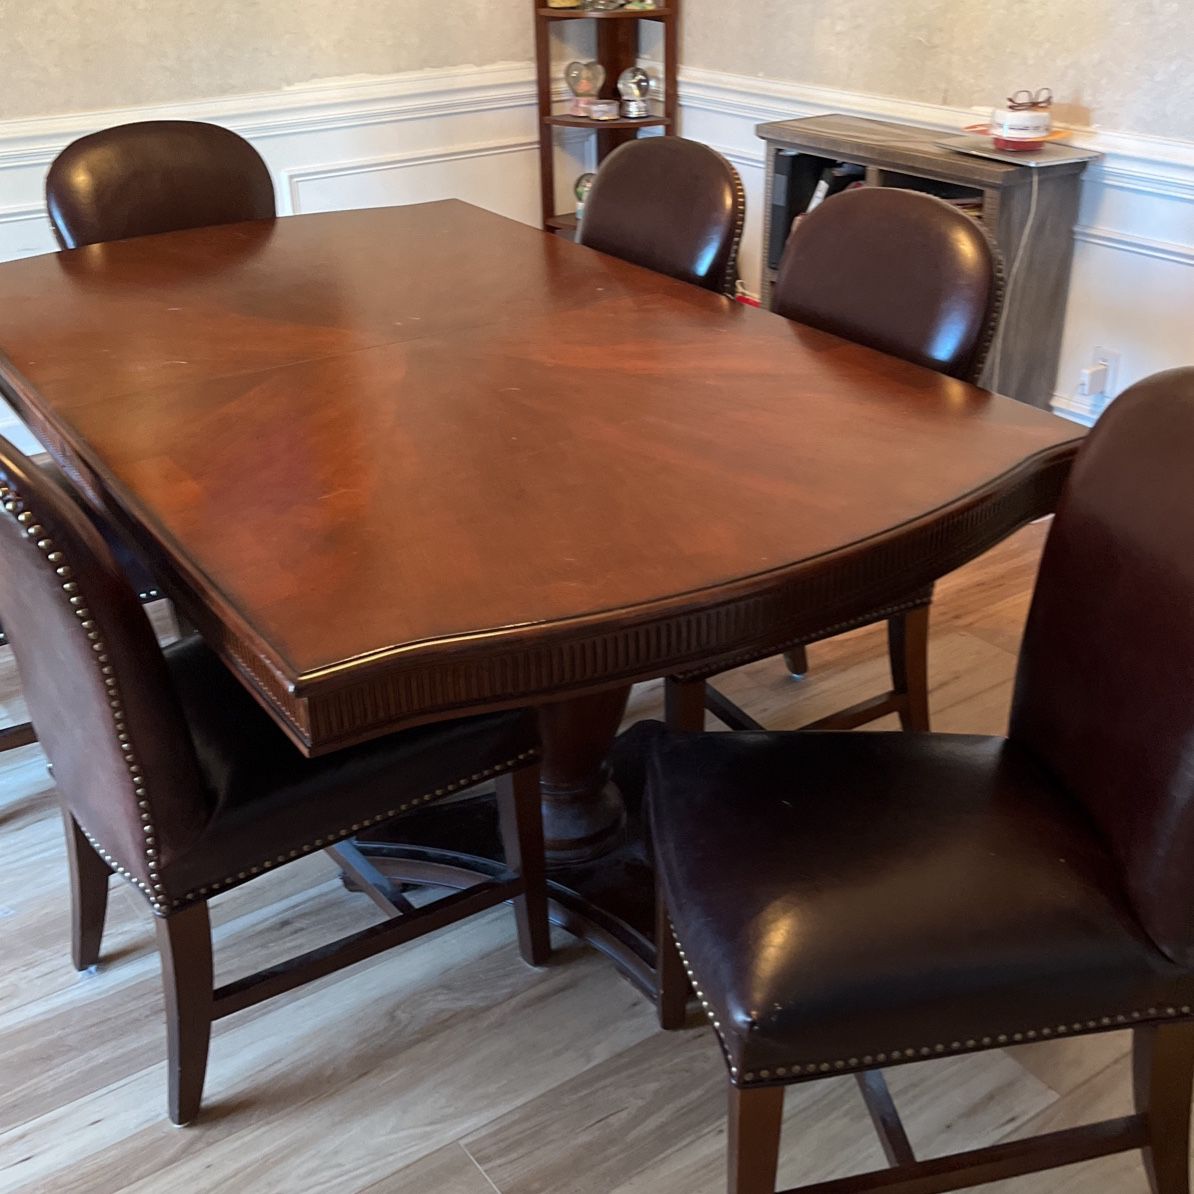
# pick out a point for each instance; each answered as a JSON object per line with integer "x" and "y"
{"x": 135, "y": 180}
{"x": 671, "y": 205}
{"x": 171, "y": 776}
{"x": 914, "y": 277}
{"x": 155, "y": 176}
{"x": 842, "y": 902}
{"x": 137, "y": 574}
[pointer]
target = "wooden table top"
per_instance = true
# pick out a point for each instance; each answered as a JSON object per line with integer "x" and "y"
{"x": 442, "y": 454}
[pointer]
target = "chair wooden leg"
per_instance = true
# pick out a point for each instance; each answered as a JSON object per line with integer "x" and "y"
{"x": 756, "y": 1117}
{"x": 796, "y": 661}
{"x": 184, "y": 942}
{"x": 88, "y": 895}
{"x": 672, "y": 987}
{"x": 12, "y": 737}
{"x": 522, "y": 838}
{"x": 684, "y": 704}
{"x": 1163, "y": 1072}
{"x": 908, "y": 647}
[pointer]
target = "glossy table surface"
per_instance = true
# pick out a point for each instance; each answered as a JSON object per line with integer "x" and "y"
{"x": 405, "y": 462}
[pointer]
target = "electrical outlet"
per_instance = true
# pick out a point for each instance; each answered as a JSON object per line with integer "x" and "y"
{"x": 1092, "y": 381}
{"x": 1098, "y": 383}
{"x": 1109, "y": 359}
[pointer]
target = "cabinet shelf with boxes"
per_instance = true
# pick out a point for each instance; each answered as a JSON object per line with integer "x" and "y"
{"x": 1029, "y": 211}
{"x": 618, "y": 37}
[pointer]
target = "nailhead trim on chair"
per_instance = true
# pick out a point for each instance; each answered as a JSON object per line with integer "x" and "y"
{"x": 898, "y": 1056}
{"x": 708, "y": 1009}
{"x": 1000, "y": 283}
{"x": 331, "y": 839}
{"x": 148, "y": 595}
{"x": 15, "y": 505}
{"x": 732, "y": 273}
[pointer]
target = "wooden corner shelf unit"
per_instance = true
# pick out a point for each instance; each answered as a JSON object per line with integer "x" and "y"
{"x": 618, "y": 47}
{"x": 1029, "y": 211}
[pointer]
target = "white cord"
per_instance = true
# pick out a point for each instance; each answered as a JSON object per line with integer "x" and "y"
{"x": 1011, "y": 280}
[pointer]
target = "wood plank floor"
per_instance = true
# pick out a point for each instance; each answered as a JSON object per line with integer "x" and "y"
{"x": 449, "y": 1067}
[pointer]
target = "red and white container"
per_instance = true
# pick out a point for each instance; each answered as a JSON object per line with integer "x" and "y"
{"x": 1025, "y": 123}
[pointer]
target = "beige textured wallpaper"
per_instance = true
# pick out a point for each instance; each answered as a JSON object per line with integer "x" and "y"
{"x": 1122, "y": 64}
{"x": 78, "y": 55}
{"x": 1126, "y": 65}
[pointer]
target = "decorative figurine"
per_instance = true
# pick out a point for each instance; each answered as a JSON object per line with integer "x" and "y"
{"x": 584, "y": 184}
{"x": 585, "y": 80}
{"x": 634, "y": 85}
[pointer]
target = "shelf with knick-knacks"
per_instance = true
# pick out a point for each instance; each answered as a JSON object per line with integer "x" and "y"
{"x": 602, "y": 8}
{"x": 610, "y": 94}
{"x": 580, "y": 12}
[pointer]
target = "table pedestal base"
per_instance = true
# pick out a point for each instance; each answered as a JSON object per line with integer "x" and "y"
{"x": 609, "y": 902}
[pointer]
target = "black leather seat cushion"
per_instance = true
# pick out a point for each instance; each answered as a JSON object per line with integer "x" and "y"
{"x": 269, "y": 800}
{"x": 851, "y": 900}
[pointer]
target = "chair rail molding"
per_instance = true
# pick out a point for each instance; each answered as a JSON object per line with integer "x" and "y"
{"x": 326, "y": 104}
{"x": 425, "y": 118}
{"x": 1132, "y": 288}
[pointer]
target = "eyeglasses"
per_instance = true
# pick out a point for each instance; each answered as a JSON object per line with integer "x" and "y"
{"x": 1026, "y": 99}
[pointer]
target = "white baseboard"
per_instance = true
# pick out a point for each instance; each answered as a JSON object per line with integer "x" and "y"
{"x": 1078, "y": 409}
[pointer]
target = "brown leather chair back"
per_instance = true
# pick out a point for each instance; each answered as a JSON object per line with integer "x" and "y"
{"x": 1105, "y": 691}
{"x": 155, "y": 176}
{"x": 95, "y": 680}
{"x": 670, "y": 205}
{"x": 896, "y": 270}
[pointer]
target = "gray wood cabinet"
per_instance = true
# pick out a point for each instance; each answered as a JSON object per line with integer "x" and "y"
{"x": 1030, "y": 212}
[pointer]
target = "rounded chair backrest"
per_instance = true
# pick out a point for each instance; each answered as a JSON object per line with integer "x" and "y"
{"x": 896, "y": 270}
{"x": 1105, "y": 689}
{"x": 155, "y": 176}
{"x": 95, "y": 680}
{"x": 670, "y": 205}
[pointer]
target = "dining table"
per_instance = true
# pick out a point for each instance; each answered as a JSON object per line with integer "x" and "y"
{"x": 412, "y": 463}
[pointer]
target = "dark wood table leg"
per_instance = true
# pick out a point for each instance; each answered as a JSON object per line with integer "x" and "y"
{"x": 600, "y": 880}
{"x": 584, "y": 816}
